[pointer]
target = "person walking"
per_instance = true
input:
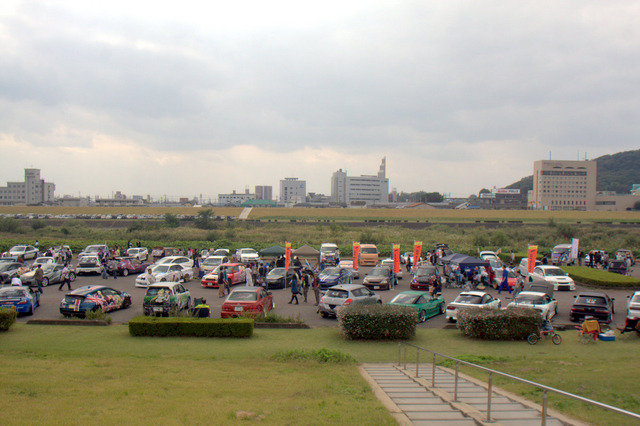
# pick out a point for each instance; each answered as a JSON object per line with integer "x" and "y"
{"x": 65, "y": 278}
{"x": 113, "y": 268}
{"x": 38, "y": 275}
{"x": 294, "y": 288}
{"x": 504, "y": 284}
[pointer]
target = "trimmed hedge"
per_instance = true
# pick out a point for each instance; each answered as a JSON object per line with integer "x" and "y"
{"x": 377, "y": 322}
{"x": 598, "y": 277}
{"x": 496, "y": 324}
{"x": 190, "y": 327}
{"x": 7, "y": 318}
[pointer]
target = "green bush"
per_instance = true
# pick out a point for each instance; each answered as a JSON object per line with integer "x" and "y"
{"x": 98, "y": 314}
{"x": 593, "y": 276}
{"x": 191, "y": 327}
{"x": 321, "y": 356}
{"x": 496, "y": 324}
{"x": 377, "y": 322}
{"x": 7, "y": 318}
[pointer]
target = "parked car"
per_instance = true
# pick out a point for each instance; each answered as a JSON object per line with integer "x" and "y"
{"x": 166, "y": 298}
{"x": 618, "y": 267}
{"x": 471, "y": 299}
{"x": 276, "y": 278}
{"x": 43, "y": 260}
{"x": 89, "y": 264}
{"x": 348, "y": 264}
{"x": 633, "y": 305}
{"x": 594, "y": 304}
{"x": 623, "y": 254}
{"x": 423, "y": 277}
{"x": 222, "y": 252}
{"x": 523, "y": 266}
{"x": 93, "y": 250}
{"x": 23, "y": 299}
{"x": 389, "y": 264}
{"x": 166, "y": 273}
{"x": 140, "y": 253}
{"x": 329, "y": 254}
{"x": 52, "y": 274}
{"x": 247, "y": 255}
{"x": 488, "y": 254}
{"x": 380, "y": 278}
{"x": 175, "y": 260}
{"x": 131, "y": 265}
{"x": 11, "y": 270}
{"x": 407, "y": 256}
{"x": 342, "y": 295}
{"x": 242, "y": 300}
{"x": 330, "y": 277}
{"x": 210, "y": 263}
{"x": 513, "y": 279}
{"x": 92, "y": 298}
{"x": 553, "y": 275}
{"x": 368, "y": 254}
{"x": 236, "y": 274}
{"x": 541, "y": 302}
{"x": 426, "y": 306}
{"x": 22, "y": 250}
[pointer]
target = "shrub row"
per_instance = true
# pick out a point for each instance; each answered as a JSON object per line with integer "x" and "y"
{"x": 377, "y": 322}
{"x": 599, "y": 277}
{"x": 321, "y": 356}
{"x": 7, "y": 318}
{"x": 190, "y": 327}
{"x": 496, "y": 324}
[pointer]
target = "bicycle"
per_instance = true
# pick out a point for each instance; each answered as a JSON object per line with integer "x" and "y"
{"x": 546, "y": 330}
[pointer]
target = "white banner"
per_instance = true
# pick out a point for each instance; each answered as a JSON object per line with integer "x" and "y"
{"x": 574, "y": 248}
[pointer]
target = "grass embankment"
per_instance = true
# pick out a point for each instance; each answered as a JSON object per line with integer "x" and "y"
{"x": 80, "y": 375}
{"x": 600, "y": 278}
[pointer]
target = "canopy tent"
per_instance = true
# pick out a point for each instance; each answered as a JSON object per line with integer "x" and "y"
{"x": 306, "y": 251}
{"x": 464, "y": 261}
{"x": 273, "y": 251}
{"x": 452, "y": 258}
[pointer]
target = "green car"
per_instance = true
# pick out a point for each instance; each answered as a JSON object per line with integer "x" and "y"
{"x": 427, "y": 306}
{"x": 163, "y": 299}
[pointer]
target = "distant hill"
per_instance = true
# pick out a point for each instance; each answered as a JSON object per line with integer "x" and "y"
{"x": 616, "y": 172}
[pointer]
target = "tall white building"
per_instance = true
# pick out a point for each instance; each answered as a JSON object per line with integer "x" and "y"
{"x": 360, "y": 190}
{"x": 32, "y": 191}
{"x": 563, "y": 185}
{"x": 293, "y": 190}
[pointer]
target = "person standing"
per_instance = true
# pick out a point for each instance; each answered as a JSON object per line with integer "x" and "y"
{"x": 305, "y": 284}
{"x": 222, "y": 282}
{"x": 65, "y": 277}
{"x": 294, "y": 288}
{"x": 504, "y": 284}
{"x": 315, "y": 285}
{"x": 38, "y": 275}
{"x": 512, "y": 258}
{"x": 104, "y": 261}
{"x": 248, "y": 276}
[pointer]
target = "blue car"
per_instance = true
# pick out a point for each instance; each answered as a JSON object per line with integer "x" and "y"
{"x": 23, "y": 299}
{"x": 92, "y": 298}
{"x": 334, "y": 276}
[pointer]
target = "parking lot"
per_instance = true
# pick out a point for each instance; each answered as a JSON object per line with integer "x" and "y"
{"x": 51, "y": 298}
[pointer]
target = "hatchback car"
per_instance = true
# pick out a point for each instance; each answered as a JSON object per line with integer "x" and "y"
{"x": 594, "y": 304}
{"x": 236, "y": 274}
{"x": 342, "y": 295}
{"x": 92, "y": 298}
{"x": 380, "y": 278}
{"x": 424, "y": 277}
{"x": 541, "y": 302}
{"x": 166, "y": 298}
{"x": 424, "y": 303}
{"x": 330, "y": 277}
{"x": 131, "y": 265}
{"x": 553, "y": 275}
{"x": 23, "y": 299}
{"x": 471, "y": 299}
{"x": 242, "y": 300}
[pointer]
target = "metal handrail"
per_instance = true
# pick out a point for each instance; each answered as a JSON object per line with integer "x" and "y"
{"x": 491, "y": 372}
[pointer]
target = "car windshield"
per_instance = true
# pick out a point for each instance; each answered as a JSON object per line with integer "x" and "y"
{"x": 92, "y": 249}
{"x": 248, "y": 251}
{"x": 10, "y": 293}
{"x": 530, "y": 298}
{"x": 339, "y": 294}
{"x": 18, "y": 249}
{"x": 555, "y": 272}
{"x": 635, "y": 298}
{"x": 154, "y": 291}
{"x": 246, "y": 296}
{"x": 495, "y": 263}
{"x": 379, "y": 272}
{"x": 328, "y": 249}
{"x": 160, "y": 269}
{"x": 369, "y": 250}
{"x": 331, "y": 272}
{"x": 277, "y": 272}
{"x": 88, "y": 259}
{"x": 591, "y": 301}
{"x": 426, "y": 270}
{"x": 468, "y": 299}
{"x": 560, "y": 250}
{"x": 406, "y": 299}
{"x": 212, "y": 261}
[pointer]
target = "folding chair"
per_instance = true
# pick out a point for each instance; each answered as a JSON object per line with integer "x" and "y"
{"x": 590, "y": 330}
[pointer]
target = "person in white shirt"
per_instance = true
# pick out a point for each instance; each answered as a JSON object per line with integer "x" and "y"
{"x": 248, "y": 276}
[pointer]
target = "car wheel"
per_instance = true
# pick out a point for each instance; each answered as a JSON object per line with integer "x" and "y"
{"x": 45, "y": 282}
{"x": 126, "y": 303}
{"x": 125, "y": 272}
{"x": 323, "y": 314}
{"x": 379, "y": 302}
{"x": 30, "y": 310}
{"x": 442, "y": 308}
{"x": 422, "y": 316}
{"x": 72, "y": 276}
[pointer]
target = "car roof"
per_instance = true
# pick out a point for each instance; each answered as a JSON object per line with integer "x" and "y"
{"x": 164, "y": 284}
{"x": 548, "y": 266}
{"x": 81, "y": 291}
{"x": 347, "y": 287}
{"x": 414, "y": 292}
{"x": 591, "y": 293}
{"x": 534, "y": 293}
{"x": 474, "y": 293}
{"x": 231, "y": 264}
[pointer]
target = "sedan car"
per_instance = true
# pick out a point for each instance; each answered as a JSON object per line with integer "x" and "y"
{"x": 633, "y": 305}
{"x": 594, "y": 304}
{"x": 176, "y": 260}
{"x": 43, "y": 260}
{"x": 210, "y": 263}
{"x": 11, "y": 270}
{"x": 255, "y": 300}
{"x": 380, "y": 278}
{"x": 246, "y": 255}
{"x": 522, "y": 267}
{"x": 131, "y": 265}
{"x": 166, "y": 298}
{"x": 52, "y": 274}
{"x": 553, "y": 275}
{"x": 89, "y": 264}
{"x": 24, "y": 251}
{"x": 276, "y": 278}
{"x": 140, "y": 253}
{"x": 625, "y": 255}
{"x": 23, "y": 299}
{"x": 94, "y": 250}
{"x": 342, "y": 295}
{"x": 165, "y": 273}
{"x": 389, "y": 264}
{"x": 236, "y": 274}
{"x": 423, "y": 277}
{"x": 541, "y": 302}
{"x": 330, "y": 277}
{"x": 424, "y": 303}
{"x": 92, "y": 298}
{"x": 471, "y": 299}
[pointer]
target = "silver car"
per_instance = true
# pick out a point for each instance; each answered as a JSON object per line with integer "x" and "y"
{"x": 343, "y": 295}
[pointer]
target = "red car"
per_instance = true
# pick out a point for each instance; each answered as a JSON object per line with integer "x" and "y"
{"x": 131, "y": 265}
{"x": 247, "y": 299}
{"x": 235, "y": 274}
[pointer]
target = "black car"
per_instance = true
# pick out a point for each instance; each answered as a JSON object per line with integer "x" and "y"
{"x": 618, "y": 267}
{"x": 424, "y": 277}
{"x": 276, "y": 278}
{"x": 9, "y": 271}
{"x": 380, "y": 278}
{"x": 593, "y": 304}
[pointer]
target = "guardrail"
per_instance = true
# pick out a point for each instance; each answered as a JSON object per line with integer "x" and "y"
{"x": 491, "y": 372}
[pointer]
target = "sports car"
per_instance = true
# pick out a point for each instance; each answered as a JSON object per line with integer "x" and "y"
{"x": 471, "y": 299}
{"x": 166, "y": 272}
{"x": 52, "y": 275}
{"x": 11, "y": 270}
{"x": 23, "y": 299}
{"x": 427, "y": 306}
{"x": 92, "y": 298}
{"x": 424, "y": 277}
{"x": 131, "y": 265}
{"x": 541, "y": 302}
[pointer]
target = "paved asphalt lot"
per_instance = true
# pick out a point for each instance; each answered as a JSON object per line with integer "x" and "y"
{"x": 307, "y": 311}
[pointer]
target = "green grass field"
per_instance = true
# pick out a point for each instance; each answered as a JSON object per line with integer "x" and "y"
{"x": 87, "y": 375}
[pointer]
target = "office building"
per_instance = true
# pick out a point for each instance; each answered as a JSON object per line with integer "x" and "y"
{"x": 563, "y": 185}
{"x": 364, "y": 190}
{"x": 31, "y": 192}
{"x": 264, "y": 192}
{"x": 293, "y": 191}
{"x": 235, "y": 198}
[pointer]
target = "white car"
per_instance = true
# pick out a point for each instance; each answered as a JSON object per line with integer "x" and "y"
{"x": 210, "y": 263}
{"x": 389, "y": 264}
{"x": 89, "y": 265}
{"x": 633, "y": 305}
{"x": 175, "y": 260}
{"x": 471, "y": 299}
{"x": 43, "y": 261}
{"x": 140, "y": 253}
{"x": 488, "y": 254}
{"x": 24, "y": 251}
{"x": 166, "y": 273}
{"x": 553, "y": 275}
{"x": 348, "y": 264}
{"x": 94, "y": 249}
{"x": 247, "y": 255}
{"x": 523, "y": 266}
{"x": 541, "y": 302}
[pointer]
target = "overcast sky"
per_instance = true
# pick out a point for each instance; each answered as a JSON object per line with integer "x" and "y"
{"x": 188, "y": 98}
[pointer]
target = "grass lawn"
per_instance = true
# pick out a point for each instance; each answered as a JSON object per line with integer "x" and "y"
{"x": 84, "y": 375}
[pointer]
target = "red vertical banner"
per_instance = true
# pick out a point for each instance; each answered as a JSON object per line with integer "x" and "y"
{"x": 532, "y": 254}
{"x": 356, "y": 254}
{"x": 396, "y": 258}
{"x": 287, "y": 256}
{"x": 417, "y": 251}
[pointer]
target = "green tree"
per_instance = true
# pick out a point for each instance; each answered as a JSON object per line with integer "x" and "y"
{"x": 204, "y": 219}
{"x": 171, "y": 220}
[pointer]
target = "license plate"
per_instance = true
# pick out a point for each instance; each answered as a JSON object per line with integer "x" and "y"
{"x": 157, "y": 309}
{"x": 376, "y": 287}
{"x": 238, "y": 309}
